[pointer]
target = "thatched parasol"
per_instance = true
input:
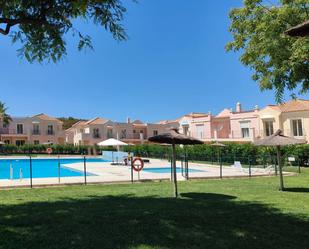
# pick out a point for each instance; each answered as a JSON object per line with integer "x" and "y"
{"x": 173, "y": 137}
{"x": 277, "y": 140}
{"x": 299, "y": 30}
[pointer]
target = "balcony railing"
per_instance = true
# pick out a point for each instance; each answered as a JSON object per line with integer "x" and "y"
{"x": 12, "y": 131}
{"x": 50, "y": 133}
{"x": 287, "y": 132}
{"x": 96, "y": 136}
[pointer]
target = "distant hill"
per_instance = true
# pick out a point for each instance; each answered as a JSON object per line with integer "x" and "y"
{"x": 68, "y": 122}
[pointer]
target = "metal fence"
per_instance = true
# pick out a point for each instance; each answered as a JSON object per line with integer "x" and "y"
{"x": 29, "y": 171}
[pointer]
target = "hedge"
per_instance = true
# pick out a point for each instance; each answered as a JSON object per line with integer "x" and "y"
{"x": 68, "y": 149}
{"x": 246, "y": 153}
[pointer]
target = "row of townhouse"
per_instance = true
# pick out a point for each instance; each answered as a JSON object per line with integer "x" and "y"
{"x": 43, "y": 129}
{"x": 38, "y": 129}
{"x": 98, "y": 129}
{"x": 239, "y": 125}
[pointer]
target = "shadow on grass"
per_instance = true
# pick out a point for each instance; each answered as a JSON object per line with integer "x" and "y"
{"x": 195, "y": 220}
{"x": 297, "y": 190}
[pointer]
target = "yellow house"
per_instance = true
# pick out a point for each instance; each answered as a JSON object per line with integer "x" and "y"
{"x": 291, "y": 117}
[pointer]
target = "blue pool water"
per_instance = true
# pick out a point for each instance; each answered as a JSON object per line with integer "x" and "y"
{"x": 41, "y": 168}
{"x": 168, "y": 170}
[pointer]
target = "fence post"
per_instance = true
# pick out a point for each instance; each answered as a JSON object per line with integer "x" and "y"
{"x": 172, "y": 169}
{"x": 298, "y": 165}
{"x": 186, "y": 167}
{"x": 30, "y": 171}
{"x": 182, "y": 162}
{"x": 85, "y": 174}
{"x": 58, "y": 169}
{"x": 249, "y": 160}
{"x": 131, "y": 169}
{"x": 220, "y": 165}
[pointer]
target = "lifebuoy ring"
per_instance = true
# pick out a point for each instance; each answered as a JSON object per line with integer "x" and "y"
{"x": 138, "y": 167}
{"x": 49, "y": 150}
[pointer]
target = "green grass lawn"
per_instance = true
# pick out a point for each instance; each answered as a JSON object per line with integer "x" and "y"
{"x": 230, "y": 213}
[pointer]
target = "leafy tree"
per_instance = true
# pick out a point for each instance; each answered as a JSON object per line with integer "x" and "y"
{"x": 6, "y": 118}
{"x": 42, "y": 24}
{"x": 279, "y": 62}
{"x": 68, "y": 122}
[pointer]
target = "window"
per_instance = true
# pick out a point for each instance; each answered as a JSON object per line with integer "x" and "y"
{"x": 185, "y": 129}
{"x": 96, "y": 133}
{"x": 19, "y": 142}
{"x": 123, "y": 133}
{"x": 20, "y": 129}
{"x": 269, "y": 128}
{"x": 245, "y": 132}
{"x": 109, "y": 133}
{"x": 155, "y": 132}
{"x": 50, "y": 142}
{"x": 200, "y": 131}
{"x": 141, "y": 135}
{"x": 5, "y": 125}
{"x": 245, "y": 129}
{"x": 50, "y": 130}
{"x": 297, "y": 127}
{"x": 36, "y": 129}
{"x": 36, "y": 142}
{"x": 7, "y": 141}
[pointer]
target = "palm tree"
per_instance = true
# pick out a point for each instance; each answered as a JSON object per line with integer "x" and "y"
{"x": 6, "y": 118}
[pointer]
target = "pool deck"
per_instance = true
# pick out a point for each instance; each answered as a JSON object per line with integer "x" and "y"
{"x": 104, "y": 172}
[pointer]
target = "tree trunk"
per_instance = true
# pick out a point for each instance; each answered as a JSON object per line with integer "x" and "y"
{"x": 174, "y": 172}
{"x": 281, "y": 188}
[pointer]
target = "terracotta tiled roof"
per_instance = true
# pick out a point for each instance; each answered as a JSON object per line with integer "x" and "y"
{"x": 79, "y": 123}
{"x": 292, "y": 106}
{"x": 137, "y": 121}
{"x": 97, "y": 121}
{"x": 168, "y": 121}
{"x": 46, "y": 117}
{"x": 196, "y": 115}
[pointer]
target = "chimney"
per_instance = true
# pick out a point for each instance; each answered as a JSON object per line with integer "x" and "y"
{"x": 238, "y": 107}
{"x": 128, "y": 120}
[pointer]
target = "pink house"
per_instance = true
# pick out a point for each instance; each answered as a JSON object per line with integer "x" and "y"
{"x": 239, "y": 125}
{"x": 244, "y": 124}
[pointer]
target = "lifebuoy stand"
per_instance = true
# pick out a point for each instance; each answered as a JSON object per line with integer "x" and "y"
{"x": 136, "y": 168}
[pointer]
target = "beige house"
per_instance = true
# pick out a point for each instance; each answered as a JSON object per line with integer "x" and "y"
{"x": 98, "y": 129}
{"x": 291, "y": 117}
{"x": 38, "y": 129}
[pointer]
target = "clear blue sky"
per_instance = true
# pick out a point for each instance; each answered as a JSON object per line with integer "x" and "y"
{"x": 173, "y": 63}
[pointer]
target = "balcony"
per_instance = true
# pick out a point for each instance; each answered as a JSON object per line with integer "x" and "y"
{"x": 289, "y": 133}
{"x": 50, "y": 133}
{"x": 8, "y": 131}
{"x": 96, "y": 136}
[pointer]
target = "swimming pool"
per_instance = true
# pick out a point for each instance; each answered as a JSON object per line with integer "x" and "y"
{"x": 168, "y": 170}
{"x": 41, "y": 168}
